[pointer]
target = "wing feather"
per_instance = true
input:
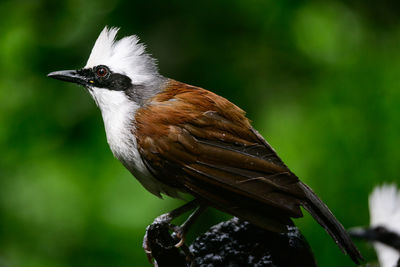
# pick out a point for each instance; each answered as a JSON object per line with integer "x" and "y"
{"x": 214, "y": 146}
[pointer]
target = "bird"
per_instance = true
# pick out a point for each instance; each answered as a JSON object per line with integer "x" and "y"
{"x": 384, "y": 229}
{"x": 177, "y": 139}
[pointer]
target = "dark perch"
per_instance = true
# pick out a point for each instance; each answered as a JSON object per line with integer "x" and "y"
{"x": 231, "y": 243}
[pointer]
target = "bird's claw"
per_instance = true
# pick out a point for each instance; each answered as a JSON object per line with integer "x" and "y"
{"x": 179, "y": 234}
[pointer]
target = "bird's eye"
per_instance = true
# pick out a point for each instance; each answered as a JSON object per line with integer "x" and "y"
{"x": 101, "y": 71}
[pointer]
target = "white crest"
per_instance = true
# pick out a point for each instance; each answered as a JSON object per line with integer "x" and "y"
{"x": 384, "y": 209}
{"x": 384, "y": 205}
{"x": 126, "y": 56}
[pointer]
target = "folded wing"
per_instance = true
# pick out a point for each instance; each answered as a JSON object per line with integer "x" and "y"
{"x": 203, "y": 144}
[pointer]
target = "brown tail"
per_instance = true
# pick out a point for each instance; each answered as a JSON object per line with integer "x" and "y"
{"x": 327, "y": 220}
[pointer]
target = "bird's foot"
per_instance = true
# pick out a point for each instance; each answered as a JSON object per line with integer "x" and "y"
{"x": 159, "y": 243}
{"x": 158, "y": 237}
{"x": 179, "y": 233}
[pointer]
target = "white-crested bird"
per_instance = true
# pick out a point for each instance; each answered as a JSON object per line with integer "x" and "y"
{"x": 174, "y": 137}
{"x": 384, "y": 229}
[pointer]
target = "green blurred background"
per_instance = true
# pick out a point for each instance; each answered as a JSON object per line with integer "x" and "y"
{"x": 319, "y": 80}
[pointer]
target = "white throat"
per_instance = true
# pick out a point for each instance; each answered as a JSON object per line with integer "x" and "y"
{"x": 119, "y": 121}
{"x": 118, "y": 115}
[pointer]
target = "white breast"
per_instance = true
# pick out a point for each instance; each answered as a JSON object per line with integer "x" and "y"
{"x": 118, "y": 115}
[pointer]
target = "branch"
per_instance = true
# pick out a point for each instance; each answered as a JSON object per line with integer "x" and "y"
{"x": 231, "y": 243}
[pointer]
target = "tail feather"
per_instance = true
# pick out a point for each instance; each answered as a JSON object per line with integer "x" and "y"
{"x": 327, "y": 220}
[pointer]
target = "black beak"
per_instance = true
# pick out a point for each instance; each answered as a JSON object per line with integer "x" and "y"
{"x": 69, "y": 76}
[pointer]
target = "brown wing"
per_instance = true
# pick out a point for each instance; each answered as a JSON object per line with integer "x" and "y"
{"x": 195, "y": 140}
{"x": 192, "y": 139}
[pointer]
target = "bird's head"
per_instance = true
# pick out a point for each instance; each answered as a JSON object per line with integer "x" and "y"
{"x": 117, "y": 71}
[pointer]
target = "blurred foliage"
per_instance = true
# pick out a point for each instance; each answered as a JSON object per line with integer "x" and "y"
{"x": 319, "y": 80}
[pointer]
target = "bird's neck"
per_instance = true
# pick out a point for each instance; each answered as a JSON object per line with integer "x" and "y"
{"x": 118, "y": 114}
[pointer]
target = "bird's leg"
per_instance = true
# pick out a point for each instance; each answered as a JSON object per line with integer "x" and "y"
{"x": 168, "y": 217}
{"x": 181, "y": 230}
